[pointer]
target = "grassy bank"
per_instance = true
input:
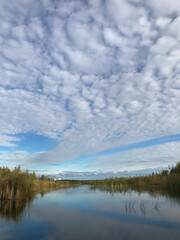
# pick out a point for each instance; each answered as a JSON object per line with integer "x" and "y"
{"x": 164, "y": 181}
{"x": 18, "y": 184}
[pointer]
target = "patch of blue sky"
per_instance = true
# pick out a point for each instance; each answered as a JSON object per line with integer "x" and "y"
{"x": 4, "y": 148}
{"x": 32, "y": 143}
{"x": 7, "y": 164}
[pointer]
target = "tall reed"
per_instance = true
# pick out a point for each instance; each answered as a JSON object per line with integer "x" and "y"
{"x": 18, "y": 184}
{"x": 164, "y": 181}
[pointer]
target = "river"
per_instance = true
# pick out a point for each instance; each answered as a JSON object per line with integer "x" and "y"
{"x": 83, "y": 213}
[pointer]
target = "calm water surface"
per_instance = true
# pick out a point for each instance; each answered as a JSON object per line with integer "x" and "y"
{"x": 82, "y": 213}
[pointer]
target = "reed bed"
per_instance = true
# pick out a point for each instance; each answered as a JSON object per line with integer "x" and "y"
{"x": 18, "y": 184}
{"x": 164, "y": 181}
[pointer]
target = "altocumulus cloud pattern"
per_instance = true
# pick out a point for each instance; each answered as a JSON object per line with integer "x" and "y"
{"x": 95, "y": 75}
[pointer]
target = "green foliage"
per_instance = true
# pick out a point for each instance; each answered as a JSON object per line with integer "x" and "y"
{"x": 43, "y": 178}
{"x": 175, "y": 169}
{"x": 18, "y": 184}
{"x": 14, "y": 184}
{"x": 166, "y": 180}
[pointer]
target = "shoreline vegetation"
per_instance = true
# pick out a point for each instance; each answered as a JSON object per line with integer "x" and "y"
{"x": 19, "y": 188}
{"x": 18, "y": 184}
{"x": 166, "y": 182}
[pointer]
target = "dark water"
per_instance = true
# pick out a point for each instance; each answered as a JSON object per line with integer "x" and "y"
{"x": 82, "y": 213}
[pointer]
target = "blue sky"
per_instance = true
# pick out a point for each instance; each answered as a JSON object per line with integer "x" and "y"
{"x": 90, "y": 89}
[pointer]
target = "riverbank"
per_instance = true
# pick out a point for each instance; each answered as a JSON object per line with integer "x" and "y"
{"x": 18, "y": 184}
{"x": 164, "y": 181}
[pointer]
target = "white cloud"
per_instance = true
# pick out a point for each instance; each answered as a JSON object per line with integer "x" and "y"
{"x": 14, "y": 158}
{"x": 164, "y": 7}
{"x": 156, "y": 157}
{"x": 164, "y": 45}
{"x": 96, "y": 76}
{"x": 8, "y": 141}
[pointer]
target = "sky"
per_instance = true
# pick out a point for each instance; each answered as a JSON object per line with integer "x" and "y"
{"x": 89, "y": 89}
